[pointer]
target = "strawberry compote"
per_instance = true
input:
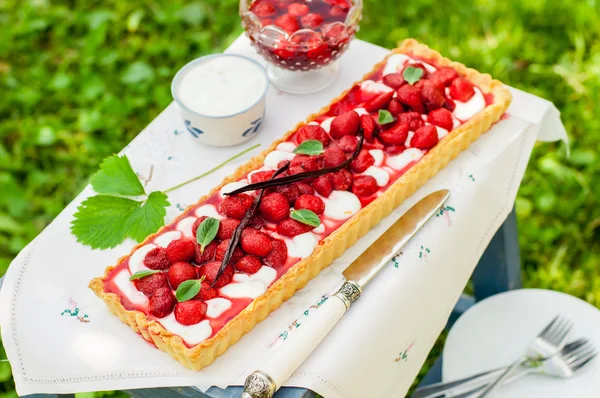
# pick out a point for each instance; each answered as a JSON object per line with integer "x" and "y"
{"x": 300, "y": 35}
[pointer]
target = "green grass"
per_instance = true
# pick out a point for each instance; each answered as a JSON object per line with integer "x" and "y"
{"x": 78, "y": 80}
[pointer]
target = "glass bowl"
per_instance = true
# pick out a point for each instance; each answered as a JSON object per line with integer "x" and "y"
{"x": 301, "y": 50}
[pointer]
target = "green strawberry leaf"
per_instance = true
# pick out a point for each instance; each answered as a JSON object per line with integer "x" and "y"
{"x": 412, "y": 74}
{"x": 100, "y": 221}
{"x": 385, "y": 117}
{"x": 147, "y": 218}
{"x": 143, "y": 273}
{"x": 309, "y": 147}
{"x": 207, "y": 231}
{"x": 117, "y": 177}
{"x": 188, "y": 290}
{"x": 306, "y": 217}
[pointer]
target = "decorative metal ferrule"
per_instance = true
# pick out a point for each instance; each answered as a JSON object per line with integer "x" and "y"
{"x": 259, "y": 385}
{"x": 349, "y": 293}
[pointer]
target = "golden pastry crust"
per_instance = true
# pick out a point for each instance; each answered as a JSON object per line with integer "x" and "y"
{"x": 336, "y": 243}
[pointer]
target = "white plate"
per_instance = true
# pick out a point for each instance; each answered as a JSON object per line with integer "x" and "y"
{"x": 497, "y": 330}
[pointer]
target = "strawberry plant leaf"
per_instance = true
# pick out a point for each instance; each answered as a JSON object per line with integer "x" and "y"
{"x": 100, "y": 221}
{"x": 309, "y": 147}
{"x": 188, "y": 290}
{"x": 207, "y": 231}
{"x": 147, "y": 218}
{"x": 143, "y": 273}
{"x": 116, "y": 177}
{"x": 412, "y": 74}
{"x": 307, "y": 217}
{"x": 385, "y": 117}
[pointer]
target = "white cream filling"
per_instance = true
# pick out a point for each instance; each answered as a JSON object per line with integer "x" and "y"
{"x": 341, "y": 205}
{"x": 274, "y": 157}
{"x": 411, "y": 134}
{"x": 466, "y": 110}
{"x": 441, "y": 132}
{"x": 302, "y": 245}
{"x": 127, "y": 289}
{"x": 370, "y": 86}
{"x": 402, "y": 160}
{"x": 287, "y": 146}
{"x": 136, "y": 261}
{"x": 395, "y": 63}
{"x": 378, "y": 155}
{"x": 361, "y": 111}
{"x": 232, "y": 186}
{"x": 217, "y": 306}
{"x": 430, "y": 68}
{"x": 192, "y": 335}
{"x": 380, "y": 175}
{"x": 208, "y": 211}
{"x": 163, "y": 240}
{"x": 320, "y": 229}
{"x": 185, "y": 226}
{"x": 326, "y": 124}
{"x": 253, "y": 286}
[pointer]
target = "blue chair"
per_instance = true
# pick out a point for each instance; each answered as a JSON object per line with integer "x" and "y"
{"x": 498, "y": 271}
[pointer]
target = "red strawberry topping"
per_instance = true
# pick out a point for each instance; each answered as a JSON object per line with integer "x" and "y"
{"x": 449, "y": 104}
{"x": 236, "y": 206}
{"x": 181, "y": 250}
{"x": 396, "y": 135}
{"x": 210, "y": 270}
{"x": 227, "y": 228}
{"x": 248, "y": 264}
{"x": 161, "y": 303}
{"x": 288, "y": 23}
{"x": 290, "y": 191}
{"x": 323, "y": 185}
{"x": 333, "y": 156}
{"x": 362, "y": 162}
{"x": 190, "y": 312}
{"x": 394, "y": 149}
{"x": 394, "y": 80}
{"x": 414, "y": 120}
{"x": 310, "y": 202}
{"x": 348, "y": 143}
{"x": 290, "y": 228}
{"x": 312, "y": 132}
{"x": 345, "y": 124}
{"x": 181, "y": 272}
{"x": 197, "y": 223}
{"x": 379, "y": 102}
{"x": 263, "y": 9}
{"x": 304, "y": 188}
{"x": 443, "y": 76}
{"x": 152, "y": 283}
{"x": 311, "y": 21}
{"x": 441, "y": 117}
{"x": 256, "y": 222}
{"x": 261, "y": 176}
{"x": 306, "y": 163}
{"x": 364, "y": 186}
{"x": 298, "y": 9}
{"x": 274, "y": 207}
{"x": 207, "y": 255}
{"x": 255, "y": 242}
{"x": 157, "y": 259}
{"x": 222, "y": 248}
{"x": 278, "y": 254}
{"x": 426, "y": 137}
{"x": 461, "y": 90}
{"x": 370, "y": 127}
{"x": 411, "y": 97}
{"x": 395, "y": 107}
{"x": 433, "y": 97}
{"x": 341, "y": 180}
{"x": 206, "y": 292}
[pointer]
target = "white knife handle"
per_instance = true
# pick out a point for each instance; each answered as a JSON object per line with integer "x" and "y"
{"x": 297, "y": 347}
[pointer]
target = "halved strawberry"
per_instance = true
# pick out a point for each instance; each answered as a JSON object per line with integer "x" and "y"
{"x": 443, "y": 76}
{"x": 209, "y": 272}
{"x": 396, "y": 135}
{"x": 426, "y": 137}
{"x": 411, "y": 97}
{"x": 312, "y": 132}
{"x": 395, "y": 107}
{"x": 364, "y": 186}
{"x": 379, "y": 102}
{"x": 441, "y": 117}
{"x": 290, "y": 228}
{"x": 362, "y": 162}
{"x": 345, "y": 124}
{"x": 462, "y": 90}
{"x": 394, "y": 80}
{"x": 161, "y": 303}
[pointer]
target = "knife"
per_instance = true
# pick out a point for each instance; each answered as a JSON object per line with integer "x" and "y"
{"x": 297, "y": 347}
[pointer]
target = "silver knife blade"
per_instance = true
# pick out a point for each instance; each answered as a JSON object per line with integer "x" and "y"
{"x": 372, "y": 260}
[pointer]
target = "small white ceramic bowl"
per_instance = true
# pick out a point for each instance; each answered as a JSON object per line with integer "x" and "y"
{"x": 229, "y": 128}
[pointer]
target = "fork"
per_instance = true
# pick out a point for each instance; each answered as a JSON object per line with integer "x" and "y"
{"x": 549, "y": 342}
{"x": 573, "y": 357}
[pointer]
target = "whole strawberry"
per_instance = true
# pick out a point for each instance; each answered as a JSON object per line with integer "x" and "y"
{"x": 379, "y": 102}
{"x": 310, "y": 202}
{"x": 312, "y": 132}
{"x": 414, "y": 120}
{"x": 298, "y": 9}
{"x": 364, "y": 186}
{"x": 222, "y": 249}
{"x": 261, "y": 176}
{"x": 289, "y": 191}
{"x": 426, "y": 137}
{"x": 262, "y": 9}
{"x": 411, "y": 97}
{"x": 288, "y": 23}
{"x": 248, "y": 264}
{"x": 442, "y": 118}
{"x": 323, "y": 185}
{"x": 362, "y": 162}
{"x": 274, "y": 207}
{"x": 255, "y": 242}
{"x": 190, "y": 312}
{"x": 304, "y": 188}
{"x": 290, "y": 228}
{"x": 201, "y": 257}
{"x": 206, "y": 292}
{"x": 461, "y": 89}
{"x": 433, "y": 97}
{"x": 370, "y": 127}
{"x": 341, "y": 180}
{"x": 311, "y": 21}
{"x": 209, "y": 272}
{"x": 443, "y": 76}
{"x": 395, "y": 107}
{"x": 278, "y": 254}
{"x": 161, "y": 303}
{"x": 181, "y": 250}
{"x": 197, "y": 223}
{"x": 181, "y": 272}
{"x": 348, "y": 143}
{"x": 236, "y": 206}
{"x": 394, "y": 80}
{"x": 157, "y": 259}
{"x": 345, "y": 124}
{"x": 152, "y": 283}
{"x": 333, "y": 156}
{"x": 396, "y": 135}
{"x": 227, "y": 227}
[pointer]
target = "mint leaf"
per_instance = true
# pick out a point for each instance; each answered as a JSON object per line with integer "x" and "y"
{"x": 188, "y": 290}
{"x": 143, "y": 273}
{"x": 412, "y": 74}
{"x": 306, "y": 217}
{"x": 309, "y": 147}
{"x": 147, "y": 218}
{"x": 100, "y": 220}
{"x": 117, "y": 177}
{"x": 206, "y": 232}
{"x": 385, "y": 117}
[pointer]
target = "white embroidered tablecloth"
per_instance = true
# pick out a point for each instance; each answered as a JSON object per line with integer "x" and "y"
{"x": 60, "y": 338}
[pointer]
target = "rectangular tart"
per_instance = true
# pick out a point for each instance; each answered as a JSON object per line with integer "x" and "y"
{"x": 452, "y": 107}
